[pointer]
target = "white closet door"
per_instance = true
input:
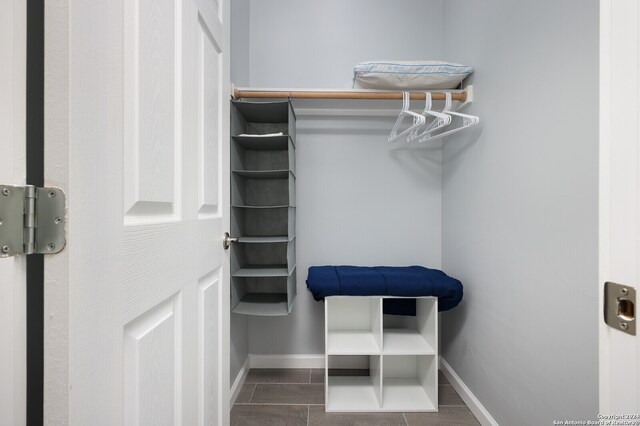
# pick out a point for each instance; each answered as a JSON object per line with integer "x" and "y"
{"x": 137, "y": 305}
{"x": 619, "y": 202}
{"x": 13, "y": 172}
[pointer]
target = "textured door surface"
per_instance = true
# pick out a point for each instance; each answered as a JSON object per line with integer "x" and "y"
{"x": 136, "y": 306}
{"x": 619, "y": 203}
{"x": 12, "y": 172}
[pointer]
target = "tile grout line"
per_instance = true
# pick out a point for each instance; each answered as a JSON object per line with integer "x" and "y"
{"x": 281, "y": 383}
{"x": 276, "y": 403}
{"x": 252, "y": 392}
{"x": 310, "y": 371}
{"x": 405, "y": 419}
{"x": 308, "y": 407}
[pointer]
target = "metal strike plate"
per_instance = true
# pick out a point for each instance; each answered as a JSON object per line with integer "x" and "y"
{"x": 31, "y": 220}
{"x": 620, "y": 307}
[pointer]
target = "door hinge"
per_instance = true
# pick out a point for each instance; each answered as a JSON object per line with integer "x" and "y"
{"x": 32, "y": 220}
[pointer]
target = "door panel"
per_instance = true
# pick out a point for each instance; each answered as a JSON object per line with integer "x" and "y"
{"x": 148, "y": 322}
{"x": 151, "y": 366}
{"x": 209, "y": 67}
{"x": 152, "y": 119}
{"x": 209, "y": 304}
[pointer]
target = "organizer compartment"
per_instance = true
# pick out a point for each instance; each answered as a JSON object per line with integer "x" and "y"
{"x": 272, "y": 222}
{"x": 262, "y": 153}
{"x": 269, "y": 296}
{"x": 262, "y": 190}
{"x": 263, "y": 259}
{"x": 262, "y": 118}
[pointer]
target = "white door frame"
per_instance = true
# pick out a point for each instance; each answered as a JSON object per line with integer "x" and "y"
{"x": 619, "y": 213}
{"x": 13, "y": 346}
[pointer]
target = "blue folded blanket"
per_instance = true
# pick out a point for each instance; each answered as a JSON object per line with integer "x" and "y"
{"x": 406, "y": 281}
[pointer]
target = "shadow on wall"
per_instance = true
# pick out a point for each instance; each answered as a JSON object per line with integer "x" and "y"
{"x": 463, "y": 141}
{"x": 416, "y": 159}
{"x": 453, "y": 321}
{"x": 423, "y": 156}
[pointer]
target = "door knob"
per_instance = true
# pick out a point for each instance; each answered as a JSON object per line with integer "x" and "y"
{"x": 228, "y": 240}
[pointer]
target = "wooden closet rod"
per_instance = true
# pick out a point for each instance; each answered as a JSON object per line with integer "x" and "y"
{"x": 301, "y": 94}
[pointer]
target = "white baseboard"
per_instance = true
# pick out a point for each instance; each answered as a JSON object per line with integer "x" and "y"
{"x": 237, "y": 383}
{"x": 286, "y": 361}
{"x": 476, "y": 407}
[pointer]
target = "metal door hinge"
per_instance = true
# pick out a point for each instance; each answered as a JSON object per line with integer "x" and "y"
{"x": 31, "y": 220}
{"x": 620, "y": 307}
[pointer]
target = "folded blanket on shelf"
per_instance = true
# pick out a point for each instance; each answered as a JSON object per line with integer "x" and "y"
{"x": 405, "y": 281}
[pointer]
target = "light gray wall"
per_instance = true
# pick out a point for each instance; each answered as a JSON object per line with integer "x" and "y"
{"x": 358, "y": 201}
{"x": 240, "y": 38}
{"x": 239, "y": 344}
{"x": 240, "y": 76}
{"x": 520, "y": 203}
{"x": 310, "y": 43}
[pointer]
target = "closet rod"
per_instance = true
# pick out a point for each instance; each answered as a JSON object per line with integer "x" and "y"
{"x": 302, "y": 94}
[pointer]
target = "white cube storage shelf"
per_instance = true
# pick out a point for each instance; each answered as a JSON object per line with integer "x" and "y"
{"x": 402, "y": 353}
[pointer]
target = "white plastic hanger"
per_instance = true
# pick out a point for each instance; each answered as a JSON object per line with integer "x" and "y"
{"x": 467, "y": 121}
{"x": 441, "y": 120}
{"x": 418, "y": 120}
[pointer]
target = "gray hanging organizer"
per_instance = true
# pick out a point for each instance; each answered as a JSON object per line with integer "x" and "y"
{"x": 263, "y": 263}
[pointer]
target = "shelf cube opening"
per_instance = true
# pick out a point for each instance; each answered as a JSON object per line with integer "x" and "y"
{"x": 354, "y": 325}
{"x": 410, "y": 382}
{"x": 406, "y": 334}
{"x": 353, "y": 383}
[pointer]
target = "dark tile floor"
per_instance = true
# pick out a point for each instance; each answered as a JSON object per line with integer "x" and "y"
{"x": 292, "y": 397}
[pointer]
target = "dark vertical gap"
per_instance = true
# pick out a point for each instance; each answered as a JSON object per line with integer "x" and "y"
{"x": 35, "y": 176}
